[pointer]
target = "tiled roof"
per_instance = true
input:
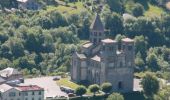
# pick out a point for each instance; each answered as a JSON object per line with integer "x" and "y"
{"x": 119, "y": 52}
{"x": 96, "y": 58}
{"x": 97, "y": 23}
{"x": 87, "y": 45}
{"x": 8, "y": 72}
{"x": 127, "y": 40}
{"x": 108, "y": 41}
{"x": 81, "y": 56}
{"x": 22, "y": 0}
{"x": 30, "y": 88}
{"x": 2, "y": 80}
{"x": 5, "y": 87}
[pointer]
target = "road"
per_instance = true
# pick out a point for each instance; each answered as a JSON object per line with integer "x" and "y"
{"x": 50, "y": 86}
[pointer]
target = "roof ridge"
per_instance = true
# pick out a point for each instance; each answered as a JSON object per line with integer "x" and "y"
{"x": 97, "y": 23}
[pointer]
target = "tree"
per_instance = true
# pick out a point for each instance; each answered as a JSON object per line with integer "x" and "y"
{"x": 163, "y": 94}
{"x": 80, "y": 90}
{"x": 115, "y": 96}
{"x": 106, "y": 87}
{"x": 94, "y": 88}
{"x": 114, "y": 23}
{"x": 139, "y": 62}
{"x": 150, "y": 84}
{"x": 138, "y": 10}
{"x": 119, "y": 38}
{"x": 141, "y": 45}
{"x": 152, "y": 61}
{"x": 116, "y": 5}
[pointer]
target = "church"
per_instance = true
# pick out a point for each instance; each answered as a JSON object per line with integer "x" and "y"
{"x": 100, "y": 60}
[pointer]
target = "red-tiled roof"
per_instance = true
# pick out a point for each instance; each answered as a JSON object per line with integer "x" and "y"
{"x": 30, "y": 88}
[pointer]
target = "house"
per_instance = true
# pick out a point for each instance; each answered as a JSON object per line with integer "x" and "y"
{"x": 100, "y": 60}
{"x": 31, "y": 92}
{"x": 8, "y": 92}
{"x": 28, "y": 4}
{"x": 11, "y": 74}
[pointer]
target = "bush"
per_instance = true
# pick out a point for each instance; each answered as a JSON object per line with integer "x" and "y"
{"x": 138, "y": 10}
{"x": 94, "y": 88}
{"x": 115, "y": 96}
{"x": 106, "y": 87}
{"x": 80, "y": 90}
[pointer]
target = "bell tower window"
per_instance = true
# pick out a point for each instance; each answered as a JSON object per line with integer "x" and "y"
{"x": 94, "y": 40}
{"x": 100, "y": 34}
{"x": 95, "y": 33}
{"x": 120, "y": 85}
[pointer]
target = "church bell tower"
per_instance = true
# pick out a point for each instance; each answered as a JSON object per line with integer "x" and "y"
{"x": 96, "y": 30}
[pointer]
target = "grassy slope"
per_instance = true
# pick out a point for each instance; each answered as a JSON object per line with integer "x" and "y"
{"x": 154, "y": 11}
{"x": 67, "y": 82}
{"x": 72, "y": 8}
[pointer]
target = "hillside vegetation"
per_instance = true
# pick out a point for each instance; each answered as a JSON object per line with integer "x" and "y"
{"x": 41, "y": 42}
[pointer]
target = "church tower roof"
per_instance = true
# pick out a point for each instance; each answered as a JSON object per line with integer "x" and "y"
{"x": 97, "y": 23}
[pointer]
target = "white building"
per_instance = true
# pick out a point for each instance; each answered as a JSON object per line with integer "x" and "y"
{"x": 32, "y": 92}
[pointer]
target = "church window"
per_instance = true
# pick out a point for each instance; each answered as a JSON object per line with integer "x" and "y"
{"x": 120, "y": 86}
{"x": 100, "y": 34}
{"x": 94, "y": 40}
{"x": 95, "y": 33}
{"x": 123, "y": 47}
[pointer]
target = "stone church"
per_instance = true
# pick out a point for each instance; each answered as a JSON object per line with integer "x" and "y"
{"x": 101, "y": 61}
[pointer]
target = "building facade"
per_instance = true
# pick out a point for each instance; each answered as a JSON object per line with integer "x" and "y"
{"x": 101, "y": 61}
{"x": 31, "y": 92}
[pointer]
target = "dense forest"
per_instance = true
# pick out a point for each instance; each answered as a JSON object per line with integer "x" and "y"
{"x": 40, "y": 42}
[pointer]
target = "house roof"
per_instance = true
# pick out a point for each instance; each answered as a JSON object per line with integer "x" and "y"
{"x": 29, "y": 88}
{"x": 97, "y": 24}
{"x": 5, "y": 87}
{"x": 127, "y": 40}
{"x": 108, "y": 41}
{"x": 8, "y": 72}
{"x": 96, "y": 58}
{"x": 2, "y": 80}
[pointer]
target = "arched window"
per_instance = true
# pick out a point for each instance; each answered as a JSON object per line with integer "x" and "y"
{"x": 120, "y": 85}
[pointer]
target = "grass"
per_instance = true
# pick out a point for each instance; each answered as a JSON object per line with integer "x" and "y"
{"x": 66, "y": 82}
{"x": 70, "y": 8}
{"x": 154, "y": 11}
